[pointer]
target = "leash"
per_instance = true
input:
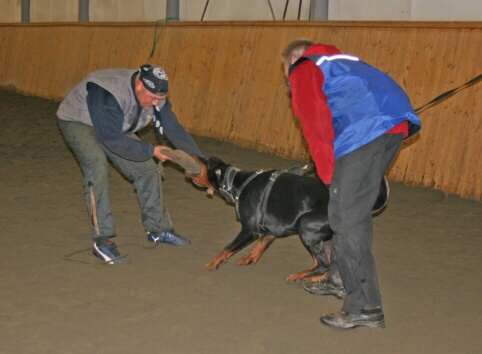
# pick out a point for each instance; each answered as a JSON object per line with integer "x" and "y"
{"x": 438, "y": 99}
{"x": 205, "y": 8}
{"x": 70, "y": 257}
{"x": 449, "y": 93}
{"x": 157, "y": 37}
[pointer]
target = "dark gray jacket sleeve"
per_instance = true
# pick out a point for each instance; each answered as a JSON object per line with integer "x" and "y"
{"x": 108, "y": 119}
{"x": 176, "y": 133}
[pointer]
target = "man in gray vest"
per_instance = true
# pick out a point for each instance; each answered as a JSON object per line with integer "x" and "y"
{"x": 99, "y": 119}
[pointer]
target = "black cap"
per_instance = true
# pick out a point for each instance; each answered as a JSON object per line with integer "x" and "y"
{"x": 154, "y": 79}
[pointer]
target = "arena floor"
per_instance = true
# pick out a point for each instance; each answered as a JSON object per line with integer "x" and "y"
{"x": 57, "y": 298}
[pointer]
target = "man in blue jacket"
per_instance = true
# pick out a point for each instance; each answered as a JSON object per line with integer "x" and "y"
{"x": 99, "y": 119}
{"x": 354, "y": 118}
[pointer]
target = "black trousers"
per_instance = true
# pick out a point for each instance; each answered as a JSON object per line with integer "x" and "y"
{"x": 353, "y": 192}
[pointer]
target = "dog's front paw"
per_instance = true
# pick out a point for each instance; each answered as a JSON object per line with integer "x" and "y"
{"x": 221, "y": 258}
{"x": 212, "y": 266}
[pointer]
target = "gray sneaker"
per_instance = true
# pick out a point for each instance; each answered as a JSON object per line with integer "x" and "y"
{"x": 324, "y": 287}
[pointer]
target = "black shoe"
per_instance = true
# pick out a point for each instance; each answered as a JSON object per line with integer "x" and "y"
{"x": 324, "y": 287}
{"x": 345, "y": 320}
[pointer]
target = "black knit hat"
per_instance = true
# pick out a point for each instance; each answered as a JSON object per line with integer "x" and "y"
{"x": 154, "y": 79}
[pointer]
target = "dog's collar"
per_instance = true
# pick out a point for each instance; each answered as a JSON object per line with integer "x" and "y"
{"x": 226, "y": 189}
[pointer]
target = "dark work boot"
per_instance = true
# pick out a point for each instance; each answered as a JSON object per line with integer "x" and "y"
{"x": 324, "y": 287}
{"x": 344, "y": 320}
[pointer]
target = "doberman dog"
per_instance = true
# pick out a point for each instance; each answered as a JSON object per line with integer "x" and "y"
{"x": 274, "y": 204}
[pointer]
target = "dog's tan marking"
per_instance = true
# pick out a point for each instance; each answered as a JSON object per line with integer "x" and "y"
{"x": 316, "y": 277}
{"x": 301, "y": 276}
{"x": 257, "y": 251}
{"x": 201, "y": 179}
{"x": 221, "y": 258}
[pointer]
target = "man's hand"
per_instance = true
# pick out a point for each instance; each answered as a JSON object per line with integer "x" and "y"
{"x": 159, "y": 155}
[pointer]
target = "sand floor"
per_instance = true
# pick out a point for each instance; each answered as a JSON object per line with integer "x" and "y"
{"x": 428, "y": 249}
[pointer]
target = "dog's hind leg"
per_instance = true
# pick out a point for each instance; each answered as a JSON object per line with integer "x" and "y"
{"x": 324, "y": 259}
{"x": 257, "y": 250}
{"x": 316, "y": 278}
{"x": 303, "y": 274}
{"x": 315, "y": 234}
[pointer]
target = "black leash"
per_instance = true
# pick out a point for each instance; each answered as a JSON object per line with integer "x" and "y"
{"x": 449, "y": 93}
{"x": 96, "y": 261}
{"x": 205, "y": 8}
{"x": 69, "y": 257}
{"x": 157, "y": 36}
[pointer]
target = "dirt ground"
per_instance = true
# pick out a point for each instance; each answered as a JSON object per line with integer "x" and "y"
{"x": 57, "y": 298}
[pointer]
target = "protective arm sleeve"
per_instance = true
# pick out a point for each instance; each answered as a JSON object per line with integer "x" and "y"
{"x": 311, "y": 108}
{"x": 108, "y": 119}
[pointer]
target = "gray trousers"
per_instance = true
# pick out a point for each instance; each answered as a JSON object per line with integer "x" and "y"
{"x": 353, "y": 192}
{"x": 93, "y": 158}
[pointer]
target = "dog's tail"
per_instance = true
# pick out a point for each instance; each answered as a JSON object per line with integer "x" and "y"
{"x": 310, "y": 167}
{"x": 301, "y": 170}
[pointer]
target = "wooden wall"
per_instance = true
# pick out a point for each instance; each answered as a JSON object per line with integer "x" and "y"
{"x": 227, "y": 80}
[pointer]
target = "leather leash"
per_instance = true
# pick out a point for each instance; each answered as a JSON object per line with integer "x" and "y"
{"x": 449, "y": 93}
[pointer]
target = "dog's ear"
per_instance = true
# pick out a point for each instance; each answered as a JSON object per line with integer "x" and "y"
{"x": 215, "y": 162}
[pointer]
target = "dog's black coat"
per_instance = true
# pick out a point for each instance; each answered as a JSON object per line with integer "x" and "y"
{"x": 296, "y": 204}
{"x": 274, "y": 204}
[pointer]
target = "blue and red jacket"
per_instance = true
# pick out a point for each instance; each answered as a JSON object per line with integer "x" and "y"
{"x": 344, "y": 103}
